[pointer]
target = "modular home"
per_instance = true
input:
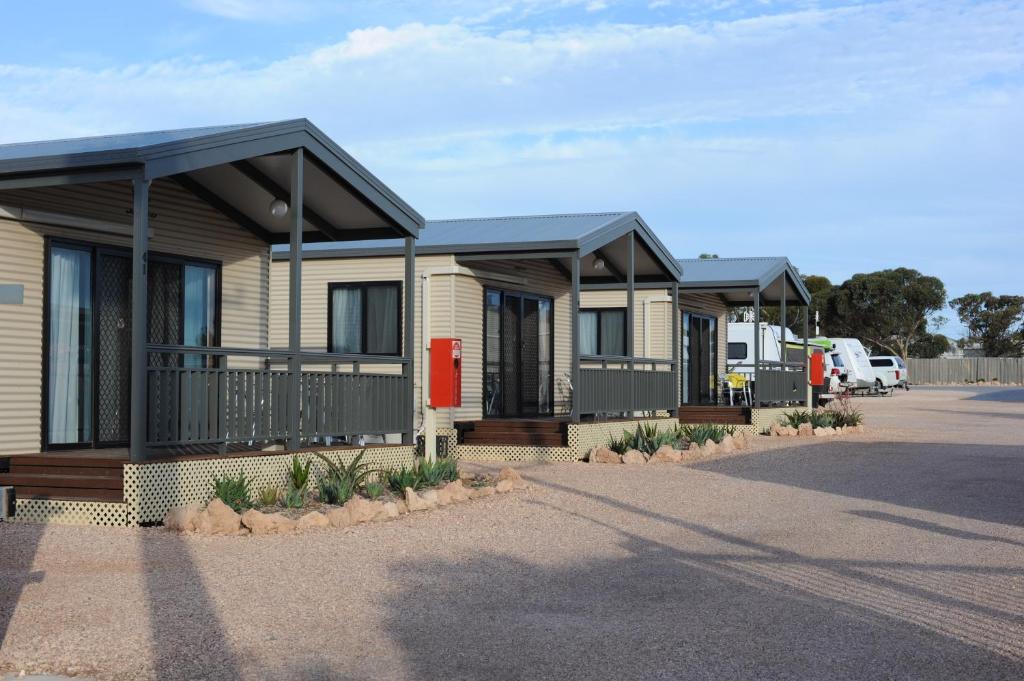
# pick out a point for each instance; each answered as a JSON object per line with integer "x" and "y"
{"x": 710, "y": 289}
{"x": 539, "y": 378}
{"x": 136, "y": 361}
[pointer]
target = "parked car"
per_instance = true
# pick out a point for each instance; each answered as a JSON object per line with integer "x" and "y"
{"x": 890, "y": 372}
{"x": 860, "y": 375}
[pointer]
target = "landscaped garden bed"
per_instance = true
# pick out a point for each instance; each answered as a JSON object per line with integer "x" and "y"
{"x": 649, "y": 445}
{"x": 344, "y": 495}
{"x": 839, "y": 418}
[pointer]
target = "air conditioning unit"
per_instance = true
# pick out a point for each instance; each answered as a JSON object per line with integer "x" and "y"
{"x": 6, "y": 503}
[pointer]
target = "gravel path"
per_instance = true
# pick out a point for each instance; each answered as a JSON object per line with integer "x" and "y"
{"x": 891, "y": 555}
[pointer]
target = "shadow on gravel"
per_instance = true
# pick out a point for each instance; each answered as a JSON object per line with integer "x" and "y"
{"x": 984, "y": 482}
{"x": 932, "y": 527}
{"x": 18, "y": 544}
{"x": 661, "y": 612}
{"x": 189, "y": 640}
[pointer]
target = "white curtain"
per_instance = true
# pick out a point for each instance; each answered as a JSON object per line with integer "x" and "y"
{"x": 200, "y": 310}
{"x": 544, "y": 356}
{"x": 613, "y": 332}
{"x": 70, "y": 361}
{"x": 588, "y": 332}
{"x": 346, "y": 320}
{"x": 382, "y": 319}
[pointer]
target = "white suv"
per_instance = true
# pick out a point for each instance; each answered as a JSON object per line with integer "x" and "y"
{"x": 890, "y": 372}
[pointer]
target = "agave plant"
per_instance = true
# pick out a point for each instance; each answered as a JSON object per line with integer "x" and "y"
{"x": 341, "y": 481}
{"x": 298, "y": 476}
{"x": 795, "y": 418}
{"x": 701, "y": 433}
{"x": 233, "y": 491}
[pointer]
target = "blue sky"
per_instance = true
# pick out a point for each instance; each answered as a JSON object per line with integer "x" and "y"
{"x": 851, "y": 136}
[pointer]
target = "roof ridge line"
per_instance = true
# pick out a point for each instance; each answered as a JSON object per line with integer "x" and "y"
{"x": 542, "y": 216}
{"x": 110, "y": 135}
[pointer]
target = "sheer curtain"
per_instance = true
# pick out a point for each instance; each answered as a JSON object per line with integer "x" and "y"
{"x": 613, "y": 332}
{"x": 200, "y": 310}
{"x": 70, "y": 357}
{"x": 544, "y": 356}
{"x": 346, "y": 320}
{"x": 588, "y": 332}
{"x": 382, "y": 319}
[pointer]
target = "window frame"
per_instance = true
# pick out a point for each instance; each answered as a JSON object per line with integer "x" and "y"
{"x": 600, "y": 344}
{"x": 728, "y": 350}
{"x": 95, "y": 249}
{"x": 363, "y": 287}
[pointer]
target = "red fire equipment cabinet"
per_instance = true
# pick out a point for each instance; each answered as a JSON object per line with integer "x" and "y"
{"x": 445, "y": 372}
{"x": 817, "y": 368}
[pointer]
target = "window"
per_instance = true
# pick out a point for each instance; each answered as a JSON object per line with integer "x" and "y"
{"x": 737, "y": 350}
{"x": 837, "y": 360}
{"x": 364, "y": 318}
{"x": 899, "y": 362}
{"x": 603, "y": 332}
{"x": 881, "y": 362}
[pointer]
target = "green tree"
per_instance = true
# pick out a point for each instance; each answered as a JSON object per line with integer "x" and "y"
{"x": 997, "y": 322}
{"x": 887, "y": 309}
{"x": 929, "y": 345}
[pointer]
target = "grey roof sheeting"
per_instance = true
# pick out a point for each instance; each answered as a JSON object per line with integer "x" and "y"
{"x": 585, "y": 232}
{"x": 174, "y": 152}
{"x": 759, "y": 272}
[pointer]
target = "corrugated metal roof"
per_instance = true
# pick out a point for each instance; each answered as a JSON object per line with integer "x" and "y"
{"x": 568, "y": 231}
{"x": 120, "y": 142}
{"x": 726, "y": 272}
{"x": 556, "y": 230}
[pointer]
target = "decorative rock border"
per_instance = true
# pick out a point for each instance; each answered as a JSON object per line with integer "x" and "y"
{"x": 807, "y": 430}
{"x": 219, "y": 519}
{"x": 668, "y": 454}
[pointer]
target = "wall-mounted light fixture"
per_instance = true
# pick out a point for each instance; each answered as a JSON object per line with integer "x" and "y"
{"x": 278, "y": 208}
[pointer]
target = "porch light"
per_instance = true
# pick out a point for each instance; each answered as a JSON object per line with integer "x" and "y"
{"x": 598, "y": 263}
{"x": 278, "y": 208}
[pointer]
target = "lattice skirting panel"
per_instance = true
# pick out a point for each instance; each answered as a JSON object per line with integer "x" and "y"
{"x": 761, "y": 419}
{"x": 150, "y": 489}
{"x": 585, "y": 436}
{"x": 70, "y": 512}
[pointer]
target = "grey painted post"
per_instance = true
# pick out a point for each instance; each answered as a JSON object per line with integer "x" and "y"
{"x": 295, "y": 302}
{"x": 757, "y": 343}
{"x": 574, "y": 310}
{"x": 630, "y": 330}
{"x": 409, "y": 436}
{"x": 783, "y": 354}
{"x": 140, "y": 299}
{"x": 807, "y": 358}
{"x": 675, "y": 346}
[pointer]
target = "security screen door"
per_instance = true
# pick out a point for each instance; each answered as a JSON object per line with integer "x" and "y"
{"x": 700, "y": 358}
{"x": 518, "y": 350}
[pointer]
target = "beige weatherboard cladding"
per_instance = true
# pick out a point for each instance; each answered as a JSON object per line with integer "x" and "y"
{"x": 99, "y": 214}
{"x": 455, "y": 311}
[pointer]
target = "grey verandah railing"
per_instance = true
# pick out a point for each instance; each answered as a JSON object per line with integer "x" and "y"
{"x": 777, "y": 382}
{"x": 613, "y": 387}
{"x": 222, "y": 404}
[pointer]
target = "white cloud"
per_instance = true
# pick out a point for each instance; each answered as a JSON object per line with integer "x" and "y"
{"x": 257, "y": 10}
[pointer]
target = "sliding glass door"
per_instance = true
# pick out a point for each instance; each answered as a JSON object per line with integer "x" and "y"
{"x": 88, "y": 336}
{"x": 518, "y": 354}
{"x": 700, "y": 359}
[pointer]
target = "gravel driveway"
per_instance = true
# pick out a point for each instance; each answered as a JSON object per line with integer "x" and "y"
{"x": 892, "y": 555}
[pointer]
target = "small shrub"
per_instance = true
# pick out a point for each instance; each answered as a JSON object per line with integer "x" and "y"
{"x": 438, "y": 472}
{"x": 844, "y": 413}
{"x": 397, "y": 479}
{"x": 294, "y": 498}
{"x": 342, "y": 481}
{"x": 269, "y": 495}
{"x": 620, "y": 445}
{"x": 795, "y": 418}
{"x": 822, "y": 418}
{"x": 233, "y": 491}
{"x": 298, "y": 476}
{"x": 374, "y": 490}
{"x": 646, "y": 438}
{"x": 701, "y": 433}
{"x": 421, "y": 474}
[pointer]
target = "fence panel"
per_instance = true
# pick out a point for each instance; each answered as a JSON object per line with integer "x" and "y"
{"x": 953, "y": 371}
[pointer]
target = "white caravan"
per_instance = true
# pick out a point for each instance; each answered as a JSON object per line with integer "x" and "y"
{"x": 740, "y": 357}
{"x": 860, "y": 375}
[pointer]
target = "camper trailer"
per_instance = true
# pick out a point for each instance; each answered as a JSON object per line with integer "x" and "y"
{"x": 860, "y": 374}
{"x": 740, "y": 358}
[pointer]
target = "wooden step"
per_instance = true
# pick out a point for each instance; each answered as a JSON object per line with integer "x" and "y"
{"x": 61, "y": 481}
{"x": 521, "y": 439}
{"x": 68, "y": 461}
{"x": 20, "y": 468}
{"x": 720, "y": 415}
{"x": 517, "y": 426}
